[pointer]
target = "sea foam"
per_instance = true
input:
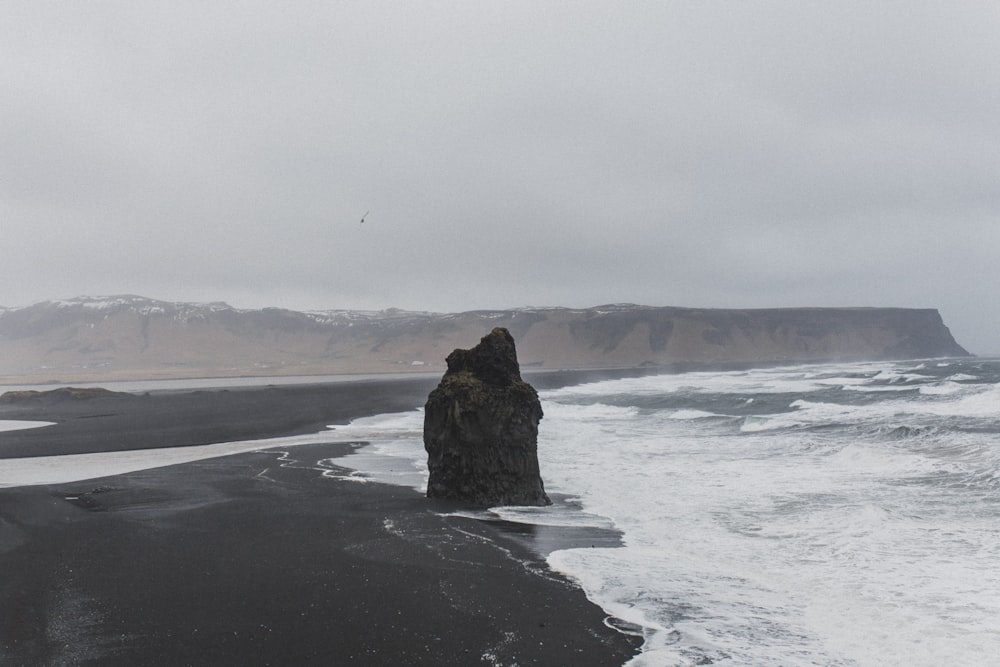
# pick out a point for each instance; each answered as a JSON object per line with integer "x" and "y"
{"x": 857, "y": 532}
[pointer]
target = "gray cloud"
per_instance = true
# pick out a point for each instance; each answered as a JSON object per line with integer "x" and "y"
{"x": 701, "y": 154}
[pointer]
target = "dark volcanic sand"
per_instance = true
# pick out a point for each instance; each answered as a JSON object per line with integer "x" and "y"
{"x": 250, "y": 560}
{"x": 176, "y": 418}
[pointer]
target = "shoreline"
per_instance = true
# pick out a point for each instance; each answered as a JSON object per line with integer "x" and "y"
{"x": 252, "y": 559}
{"x": 145, "y": 381}
{"x": 177, "y": 417}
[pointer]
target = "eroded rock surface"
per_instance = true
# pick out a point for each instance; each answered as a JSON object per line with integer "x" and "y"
{"x": 481, "y": 428}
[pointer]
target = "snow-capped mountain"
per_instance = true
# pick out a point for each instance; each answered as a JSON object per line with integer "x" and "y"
{"x": 134, "y": 336}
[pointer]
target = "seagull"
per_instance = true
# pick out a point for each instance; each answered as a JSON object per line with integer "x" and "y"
{"x": 364, "y": 216}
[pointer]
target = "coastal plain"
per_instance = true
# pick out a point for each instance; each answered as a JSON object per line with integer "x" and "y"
{"x": 260, "y": 558}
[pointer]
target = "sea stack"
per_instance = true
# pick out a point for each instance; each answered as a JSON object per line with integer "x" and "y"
{"x": 481, "y": 428}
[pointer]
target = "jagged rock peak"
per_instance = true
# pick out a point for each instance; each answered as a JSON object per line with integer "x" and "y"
{"x": 493, "y": 361}
{"x": 481, "y": 428}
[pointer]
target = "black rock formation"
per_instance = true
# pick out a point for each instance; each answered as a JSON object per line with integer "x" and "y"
{"x": 481, "y": 428}
{"x": 57, "y": 395}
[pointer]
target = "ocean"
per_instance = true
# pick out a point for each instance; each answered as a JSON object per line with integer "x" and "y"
{"x": 840, "y": 514}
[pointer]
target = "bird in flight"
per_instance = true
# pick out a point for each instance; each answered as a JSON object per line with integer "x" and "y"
{"x": 364, "y": 216}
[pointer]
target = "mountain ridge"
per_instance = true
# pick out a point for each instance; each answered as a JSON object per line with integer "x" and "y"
{"x": 129, "y": 336}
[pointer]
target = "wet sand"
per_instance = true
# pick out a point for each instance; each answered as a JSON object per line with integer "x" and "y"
{"x": 260, "y": 559}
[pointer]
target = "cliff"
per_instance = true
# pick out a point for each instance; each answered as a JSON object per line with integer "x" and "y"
{"x": 129, "y": 336}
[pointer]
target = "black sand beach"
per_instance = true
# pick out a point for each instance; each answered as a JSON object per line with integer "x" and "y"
{"x": 255, "y": 559}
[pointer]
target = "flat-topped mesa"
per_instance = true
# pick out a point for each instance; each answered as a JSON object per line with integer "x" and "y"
{"x": 481, "y": 428}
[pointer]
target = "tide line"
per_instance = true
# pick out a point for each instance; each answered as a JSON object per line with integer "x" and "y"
{"x": 33, "y": 471}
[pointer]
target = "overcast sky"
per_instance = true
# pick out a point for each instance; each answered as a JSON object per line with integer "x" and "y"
{"x": 706, "y": 154}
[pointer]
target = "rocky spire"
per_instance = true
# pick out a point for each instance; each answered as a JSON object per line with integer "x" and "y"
{"x": 481, "y": 428}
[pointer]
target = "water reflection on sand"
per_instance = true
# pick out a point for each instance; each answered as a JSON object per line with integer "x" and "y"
{"x": 76, "y": 467}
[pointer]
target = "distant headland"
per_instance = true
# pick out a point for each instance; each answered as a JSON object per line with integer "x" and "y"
{"x": 131, "y": 337}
